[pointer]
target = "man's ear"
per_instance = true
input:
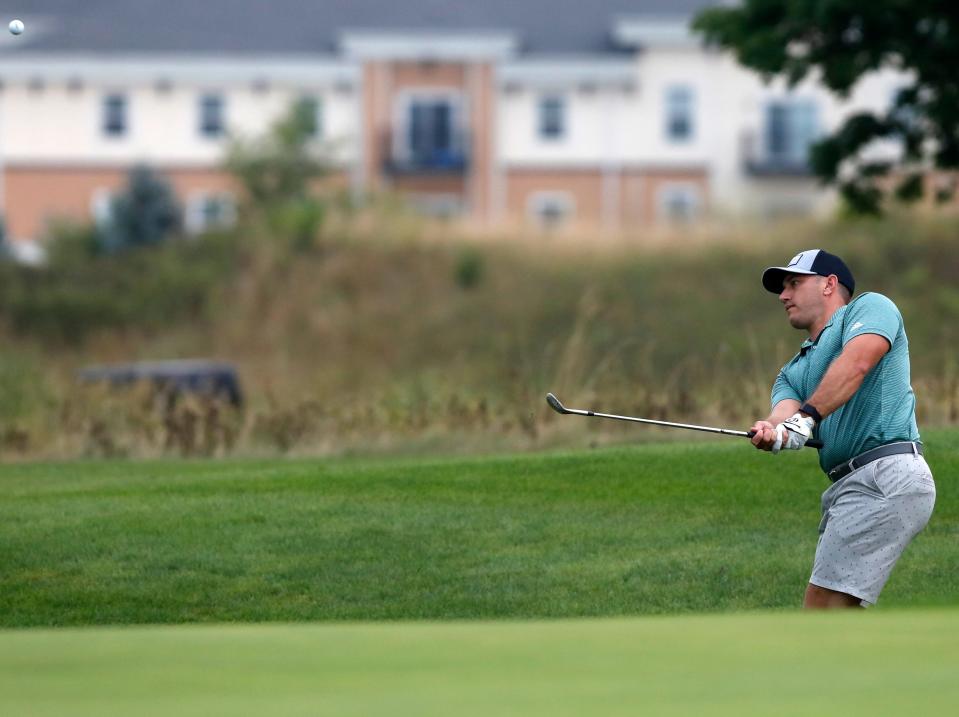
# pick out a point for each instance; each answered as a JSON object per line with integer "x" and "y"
{"x": 831, "y": 286}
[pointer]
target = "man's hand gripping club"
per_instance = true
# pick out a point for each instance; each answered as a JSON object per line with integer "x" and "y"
{"x": 791, "y": 434}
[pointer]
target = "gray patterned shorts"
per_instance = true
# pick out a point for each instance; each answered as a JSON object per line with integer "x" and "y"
{"x": 868, "y": 519}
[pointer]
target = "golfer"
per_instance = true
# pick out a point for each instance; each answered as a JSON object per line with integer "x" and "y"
{"x": 849, "y": 386}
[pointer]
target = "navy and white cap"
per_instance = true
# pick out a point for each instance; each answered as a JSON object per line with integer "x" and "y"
{"x": 811, "y": 262}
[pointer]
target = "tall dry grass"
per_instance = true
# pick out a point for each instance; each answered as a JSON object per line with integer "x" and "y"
{"x": 390, "y": 335}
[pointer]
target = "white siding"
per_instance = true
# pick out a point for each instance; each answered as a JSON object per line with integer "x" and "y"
{"x": 57, "y": 125}
{"x": 609, "y": 123}
{"x": 611, "y": 127}
{"x": 587, "y": 134}
{"x": 646, "y": 141}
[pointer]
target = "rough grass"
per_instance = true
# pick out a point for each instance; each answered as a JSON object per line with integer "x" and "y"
{"x": 711, "y": 526}
{"x": 381, "y": 340}
{"x": 879, "y": 663}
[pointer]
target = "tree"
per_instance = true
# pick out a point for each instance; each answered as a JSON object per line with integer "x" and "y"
{"x": 278, "y": 173}
{"x": 839, "y": 41}
{"x": 145, "y": 213}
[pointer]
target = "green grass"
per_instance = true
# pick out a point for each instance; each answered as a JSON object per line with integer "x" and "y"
{"x": 651, "y": 529}
{"x": 875, "y": 663}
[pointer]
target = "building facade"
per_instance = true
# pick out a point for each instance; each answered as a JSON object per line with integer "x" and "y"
{"x": 608, "y": 115}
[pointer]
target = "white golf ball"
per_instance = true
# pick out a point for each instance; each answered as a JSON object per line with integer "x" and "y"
{"x": 16, "y": 26}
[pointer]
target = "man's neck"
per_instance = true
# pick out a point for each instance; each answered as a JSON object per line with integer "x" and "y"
{"x": 820, "y": 323}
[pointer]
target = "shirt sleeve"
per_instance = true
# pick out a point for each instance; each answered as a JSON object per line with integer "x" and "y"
{"x": 783, "y": 389}
{"x": 872, "y": 314}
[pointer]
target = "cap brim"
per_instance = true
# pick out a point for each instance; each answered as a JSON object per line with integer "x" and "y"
{"x": 774, "y": 275}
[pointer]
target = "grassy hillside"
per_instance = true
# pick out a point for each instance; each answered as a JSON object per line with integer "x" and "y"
{"x": 652, "y": 529}
{"x": 886, "y": 663}
{"x": 378, "y": 338}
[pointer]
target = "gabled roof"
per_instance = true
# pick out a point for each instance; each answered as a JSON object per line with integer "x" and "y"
{"x": 292, "y": 27}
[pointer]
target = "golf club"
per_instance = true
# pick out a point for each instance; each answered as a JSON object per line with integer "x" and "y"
{"x": 557, "y": 406}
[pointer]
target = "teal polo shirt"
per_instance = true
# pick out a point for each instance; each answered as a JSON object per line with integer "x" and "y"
{"x": 883, "y": 410}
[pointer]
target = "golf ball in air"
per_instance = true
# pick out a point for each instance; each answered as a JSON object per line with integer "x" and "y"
{"x": 16, "y": 26}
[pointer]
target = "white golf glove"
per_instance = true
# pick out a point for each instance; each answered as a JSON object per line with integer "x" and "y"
{"x": 793, "y": 433}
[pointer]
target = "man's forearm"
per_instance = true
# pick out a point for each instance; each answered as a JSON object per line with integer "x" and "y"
{"x": 842, "y": 380}
{"x": 783, "y": 410}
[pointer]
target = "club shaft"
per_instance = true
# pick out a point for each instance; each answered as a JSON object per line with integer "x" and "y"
{"x": 812, "y": 443}
{"x": 667, "y": 424}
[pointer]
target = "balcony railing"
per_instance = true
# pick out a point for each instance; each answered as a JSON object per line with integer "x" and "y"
{"x": 399, "y": 158}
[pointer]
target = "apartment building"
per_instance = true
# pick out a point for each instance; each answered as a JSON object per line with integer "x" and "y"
{"x": 608, "y": 115}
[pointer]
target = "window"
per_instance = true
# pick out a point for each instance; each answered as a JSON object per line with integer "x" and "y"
{"x": 431, "y": 134}
{"x": 115, "y": 115}
{"x": 552, "y": 117}
{"x": 791, "y": 127}
{"x": 206, "y": 212}
{"x": 211, "y": 116}
{"x": 551, "y": 210}
{"x": 679, "y": 113}
{"x": 679, "y": 203}
{"x": 310, "y": 113}
{"x": 430, "y": 128}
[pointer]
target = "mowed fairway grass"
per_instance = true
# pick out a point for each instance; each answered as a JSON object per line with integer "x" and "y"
{"x": 421, "y": 587}
{"x": 665, "y": 528}
{"x": 880, "y": 663}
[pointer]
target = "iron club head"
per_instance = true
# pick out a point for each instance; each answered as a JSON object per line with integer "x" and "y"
{"x": 555, "y": 404}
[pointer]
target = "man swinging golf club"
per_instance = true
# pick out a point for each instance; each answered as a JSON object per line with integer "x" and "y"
{"x": 849, "y": 385}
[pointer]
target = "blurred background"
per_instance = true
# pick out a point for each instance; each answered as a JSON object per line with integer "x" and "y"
{"x": 311, "y": 228}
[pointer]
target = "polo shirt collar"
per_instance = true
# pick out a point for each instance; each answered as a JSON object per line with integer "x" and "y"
{"x": 809, "y": 343}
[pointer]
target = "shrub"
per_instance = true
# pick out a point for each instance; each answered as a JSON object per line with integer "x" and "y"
{"x": 146, "y": 213}
{"x": 469, "y": 269}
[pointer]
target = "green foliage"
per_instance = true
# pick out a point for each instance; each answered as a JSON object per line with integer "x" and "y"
{"x": 297, "y": 220}
{"x": 145, "y": 213}
{"x": 73, "y": 245}
{"x": 652, "y": 529}
{"x": 280, "y": 166}
{"x": 81, "y": 291}
{"x": 861, "y": 196}
{"x": 841, "y": 41}
{"x": 279, "y": 174}
{"x": 469, "y": 269}
{"x": 909, "y": 188}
